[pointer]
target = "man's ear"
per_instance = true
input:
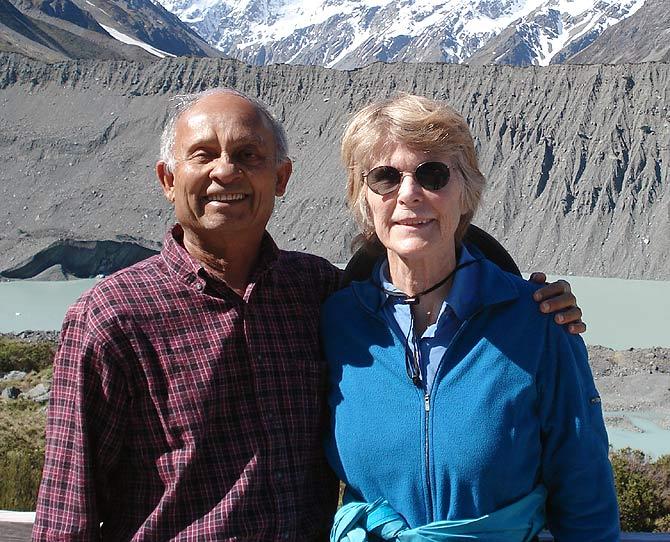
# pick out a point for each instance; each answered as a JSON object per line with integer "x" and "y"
{"x": 166, "y": 178}
{"x": 284, "y": 171}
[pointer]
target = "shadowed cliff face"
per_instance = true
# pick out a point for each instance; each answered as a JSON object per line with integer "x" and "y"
{"x": 576, "y": 156}
{"x": 80, "y": 259}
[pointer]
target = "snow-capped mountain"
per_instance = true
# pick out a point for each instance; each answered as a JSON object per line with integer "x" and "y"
{"x": 554, "y": 32}
{"x": 352, "y": 33}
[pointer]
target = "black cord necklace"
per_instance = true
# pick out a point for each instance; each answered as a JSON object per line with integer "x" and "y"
{"x": 412, "y": 361}
{"x": 416, "y": 298}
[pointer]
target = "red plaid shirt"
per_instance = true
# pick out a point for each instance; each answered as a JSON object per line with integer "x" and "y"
{"x": 181, "y": 411}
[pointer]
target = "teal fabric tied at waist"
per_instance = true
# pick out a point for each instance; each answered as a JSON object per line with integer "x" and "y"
{"x": 518, "y": 522}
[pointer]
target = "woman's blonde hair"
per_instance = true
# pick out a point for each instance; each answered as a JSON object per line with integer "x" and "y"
{"x": 422, "y": 125}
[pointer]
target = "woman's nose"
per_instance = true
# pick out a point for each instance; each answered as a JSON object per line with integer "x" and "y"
{"x": 409, "y": 190}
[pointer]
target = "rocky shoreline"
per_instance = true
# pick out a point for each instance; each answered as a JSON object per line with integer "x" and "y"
{"x": 632, "y": 380}
{"x": 33, "y": 336}
{"x": 605, "y": 362}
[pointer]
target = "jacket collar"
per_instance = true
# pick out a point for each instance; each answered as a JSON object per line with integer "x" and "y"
{"x": 494, "y": 287}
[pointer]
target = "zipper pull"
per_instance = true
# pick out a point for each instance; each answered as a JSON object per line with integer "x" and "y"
{"x": 416, "y": 370}
{"x": 426, "y": 403}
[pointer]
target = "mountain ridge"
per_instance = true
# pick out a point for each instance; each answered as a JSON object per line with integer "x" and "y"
{"x": 107, "y": 29}
{"x": 347, "y": 34}
{"x": 344, "y": 34}
{"x": 645, "y": 36}
{"x": 575, "y": 156}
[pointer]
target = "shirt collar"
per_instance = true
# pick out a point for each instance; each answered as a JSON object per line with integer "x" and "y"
{"x": 462, "y": 294}
{"x": 189, "y": 270}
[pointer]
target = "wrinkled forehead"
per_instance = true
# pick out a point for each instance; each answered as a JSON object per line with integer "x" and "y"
{"x": 228, "y": 118}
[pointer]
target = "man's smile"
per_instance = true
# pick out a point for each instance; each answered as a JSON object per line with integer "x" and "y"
{"x": 224, "y": 198}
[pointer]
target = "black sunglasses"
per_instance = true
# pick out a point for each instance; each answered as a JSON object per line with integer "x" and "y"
{"x": 383, "y": 180}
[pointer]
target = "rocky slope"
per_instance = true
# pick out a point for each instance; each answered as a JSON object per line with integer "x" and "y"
{"x": 576, "y": 156}
{"x": 49, "y": 38}
{"x": 79, "y": 259}
{"x": 107, "y": 29}
{"x": 643, "y": 37}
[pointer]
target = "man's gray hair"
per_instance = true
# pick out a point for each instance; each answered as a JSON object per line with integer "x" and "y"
{"x": 183, "y": 102}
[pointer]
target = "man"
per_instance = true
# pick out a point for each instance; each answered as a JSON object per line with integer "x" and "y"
{"x": 187, "y": 393}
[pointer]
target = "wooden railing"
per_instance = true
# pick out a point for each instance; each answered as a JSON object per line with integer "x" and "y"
{"x": 15, "y": 527}
{"x": 625, "y": 537}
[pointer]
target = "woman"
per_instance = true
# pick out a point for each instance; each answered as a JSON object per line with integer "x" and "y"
{"x": 457, "y": 409}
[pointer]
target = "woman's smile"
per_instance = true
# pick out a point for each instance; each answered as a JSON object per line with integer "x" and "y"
{"x": 413, "y": 222}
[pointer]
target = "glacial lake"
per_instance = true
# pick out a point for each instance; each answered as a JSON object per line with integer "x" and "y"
{"x": 648, "y": 437}
{"x": 619, "y": 313}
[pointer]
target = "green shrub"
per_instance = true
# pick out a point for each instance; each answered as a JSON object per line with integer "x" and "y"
{"x": 22, "y": 425}
{"x": 642, "y": 495}
{"x": 18, "y": 355}
{"x": 21, "y": 472}
{"x": 661, "y": 473}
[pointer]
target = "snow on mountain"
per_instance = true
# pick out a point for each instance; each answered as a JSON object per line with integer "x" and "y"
{"x": 124, "y": 38}
{"x": 351, "y": 33}
{"x": 555, "y": 31}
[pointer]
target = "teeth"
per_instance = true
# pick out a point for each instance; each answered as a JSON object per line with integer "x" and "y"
{"x": 412, "y": 222}
{"x": 226, "y": 197}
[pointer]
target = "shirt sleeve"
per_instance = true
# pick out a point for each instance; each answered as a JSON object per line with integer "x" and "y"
{"x": 581, "y": 503}
{"x": 85, "y": 425}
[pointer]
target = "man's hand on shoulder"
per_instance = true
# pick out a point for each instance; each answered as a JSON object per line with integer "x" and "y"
{"x": 558, "y": 298}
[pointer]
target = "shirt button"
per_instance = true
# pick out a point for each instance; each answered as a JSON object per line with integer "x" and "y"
{"x": 279, "y": 475}
{"x": 199, "y": 287}
{"x": 284, "y": 536}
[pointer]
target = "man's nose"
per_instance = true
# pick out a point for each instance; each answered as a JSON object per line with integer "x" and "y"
{"x": 224, "y": 169}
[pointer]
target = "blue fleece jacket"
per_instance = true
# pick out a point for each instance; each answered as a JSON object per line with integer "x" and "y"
{"x": 513, "y": 405}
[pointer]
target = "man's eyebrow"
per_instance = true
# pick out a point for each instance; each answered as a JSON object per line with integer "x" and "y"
{"x": 255, "y": 139}
{"x": 251, "y": 139}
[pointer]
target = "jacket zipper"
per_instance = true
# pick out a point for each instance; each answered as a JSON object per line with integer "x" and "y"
{"x": 426, "y": 440}
{"x": 429, "y": 507}
{"x": 426, "y": 406}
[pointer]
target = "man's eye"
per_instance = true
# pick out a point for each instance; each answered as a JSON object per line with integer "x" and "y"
{"x": 201, "y": 157}
{"x": 249, "y": 156}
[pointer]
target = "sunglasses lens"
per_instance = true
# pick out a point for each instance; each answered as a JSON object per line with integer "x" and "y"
{"x": 432, "y": 175}
{"x": 383, "y": 179}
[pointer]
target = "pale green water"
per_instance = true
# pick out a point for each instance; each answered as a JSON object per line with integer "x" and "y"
{"x": 622, "y": 313}
{"x": 619, "y": 313}
{"x": 651, "y": 438}
{"x": 38, "y": 305}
